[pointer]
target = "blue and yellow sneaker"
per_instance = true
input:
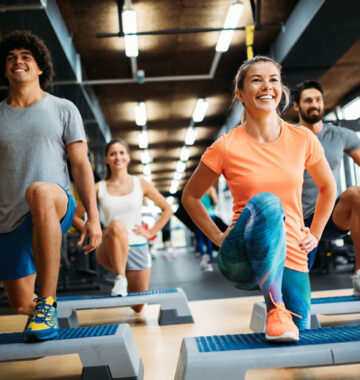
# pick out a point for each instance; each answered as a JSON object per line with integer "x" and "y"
{"x": 44, "y": 323}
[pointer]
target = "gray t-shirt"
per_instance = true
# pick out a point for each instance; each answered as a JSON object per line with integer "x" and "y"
{"x": 336, "y": 141}
{"x": 33, "y": 148}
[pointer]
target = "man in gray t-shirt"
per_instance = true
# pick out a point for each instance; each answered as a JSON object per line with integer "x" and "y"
{"x": 38, "y": 132}
{"x": 309, "y": 102}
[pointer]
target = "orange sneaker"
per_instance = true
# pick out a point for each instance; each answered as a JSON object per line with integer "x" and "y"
{"x": 280, "y": 327}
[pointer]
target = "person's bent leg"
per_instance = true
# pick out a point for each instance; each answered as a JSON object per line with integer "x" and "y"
{"x": 21, "y": 294}
{"x": 138, "y": 281}
{"x": 253, "y": 254}
{"x": 49, "y": 204}
{"x": 113, "y": 252}
{"x": 346, "y": 216}
{"x": 297, "y": 296}
{"x": 17, "y": 268}
{"x": 254, "y": 251}
{"x": 112, "y": 255}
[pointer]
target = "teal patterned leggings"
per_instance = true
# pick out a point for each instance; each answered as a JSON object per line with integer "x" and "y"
{"x": 253, "y": 256}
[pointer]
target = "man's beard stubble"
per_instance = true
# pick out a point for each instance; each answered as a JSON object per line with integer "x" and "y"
{"x": 312, "y": 119}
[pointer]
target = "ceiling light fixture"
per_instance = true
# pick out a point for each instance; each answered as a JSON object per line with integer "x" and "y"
{"x": 172, "y": 190}
{"x": 143, "y": 139}
{"x": 180, "y": 166}
{"x": 178, "y": 175}
{"x": 190, "y": 137}
{"x": 147, "y": 170}
{"x": 128, "y": 17}
{"x": 140, "y": 114}
{"x": 185, "y": 153}
{"x": 145, "y": 157}
{"x": 231, "y": 21}
{"x": 200, "y": 110}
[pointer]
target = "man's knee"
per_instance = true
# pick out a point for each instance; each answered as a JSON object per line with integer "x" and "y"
{"x": 22, "y": 306}
{"x": 351, "y": 196}
{"x": 38, "y": 193}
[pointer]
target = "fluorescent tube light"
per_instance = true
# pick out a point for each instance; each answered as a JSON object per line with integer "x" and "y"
{"x": 231, "y": 21}
{"x": 143, "y": 140}
{"x": 147, "y": 170}
{"x": 129, "y": 25}
{"x": 180, "y": 167}
{"x": 145, "y": 157}
{"x": 175, "y": 183}
{"x": 185, "y": 153}
{"x": 178, "y": 175}
{"x": 140, "y": 114}
{"x": 200, "y": 110}
{"x": 190, "y": 137}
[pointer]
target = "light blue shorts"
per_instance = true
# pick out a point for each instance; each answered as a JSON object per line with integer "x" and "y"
{"x": 139, "y": 257}
{"x": 16, "y": 254}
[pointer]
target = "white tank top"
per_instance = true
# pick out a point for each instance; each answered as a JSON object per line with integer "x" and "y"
{"x": 126, "y": 208}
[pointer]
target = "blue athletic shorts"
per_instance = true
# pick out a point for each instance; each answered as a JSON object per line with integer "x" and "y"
{"x": 331, "y": 232}
{"x": 16, "y": 254}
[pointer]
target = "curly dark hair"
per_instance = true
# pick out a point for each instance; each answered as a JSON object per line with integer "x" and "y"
{"x": 25, "y": 39}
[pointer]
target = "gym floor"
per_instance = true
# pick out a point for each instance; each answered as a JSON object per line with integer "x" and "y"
{"x": 216, "y": 308}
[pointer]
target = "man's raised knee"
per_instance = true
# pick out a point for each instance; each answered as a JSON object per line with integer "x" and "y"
{"x": 37, "y": 192}
{"x": 23, "y": 307}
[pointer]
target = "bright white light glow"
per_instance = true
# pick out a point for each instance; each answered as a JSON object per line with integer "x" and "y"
{"x": 131, "y": 46}
{"x": 140, "y": 114}
{"x": 190, "y": 137}
{"x": 147, "y": 170}
{"x": 200, "y": 110}
{"x": 143, "y": 140}
{"x": 175, "y": 183}
{"x": 180, "y": 167}
{"x": 178, "y": 175}
{"x": 185, "y": 153}
{"x": 172, "y": 190}
{"x": 231, "y": 21}
{"x": 128, "y": 18}
{"x": 170, "y": 200}
{"x": 351, "y": 110}
{"x": 148, "y": 178}
{"x": 145, "y": 157}
{"x": 129, "y": 25}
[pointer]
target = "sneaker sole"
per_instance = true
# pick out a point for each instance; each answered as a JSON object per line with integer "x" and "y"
{"x": 287, "y": 337}
{"x": 118, "y": 295}
{"x": 33, "y": 337}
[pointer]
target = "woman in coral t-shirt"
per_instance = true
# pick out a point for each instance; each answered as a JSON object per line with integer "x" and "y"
{"x": 263, "y": 161}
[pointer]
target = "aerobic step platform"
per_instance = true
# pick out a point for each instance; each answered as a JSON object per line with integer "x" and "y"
{"x": 230, "y": 356}
{"x": 324, "y": 306}
{"x": 106, "y": 352}
{"x": 174, "y": 307}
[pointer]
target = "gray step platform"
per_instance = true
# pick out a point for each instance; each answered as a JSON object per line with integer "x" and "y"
{"x": 230, "y": 356}
{"x": 323, "y": 306}
{"x": 106, "y": 352}
{"x": 174, "y": 307}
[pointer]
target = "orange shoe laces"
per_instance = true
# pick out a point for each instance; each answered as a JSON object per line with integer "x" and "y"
{"x": 278, "y": 305}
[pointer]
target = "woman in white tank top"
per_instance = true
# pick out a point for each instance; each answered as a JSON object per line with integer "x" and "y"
{"x": 124, "y": 249}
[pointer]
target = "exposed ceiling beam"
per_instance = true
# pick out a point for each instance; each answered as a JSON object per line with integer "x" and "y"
{"x": 298, "y": 21}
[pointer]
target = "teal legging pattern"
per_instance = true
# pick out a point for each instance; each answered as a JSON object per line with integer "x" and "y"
{"x": 253, "y": 255}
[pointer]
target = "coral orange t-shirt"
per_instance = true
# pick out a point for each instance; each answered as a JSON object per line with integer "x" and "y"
{"x": 251, "y": 167}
